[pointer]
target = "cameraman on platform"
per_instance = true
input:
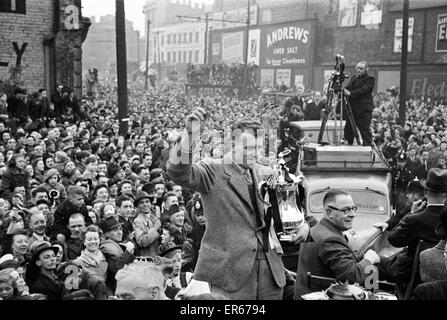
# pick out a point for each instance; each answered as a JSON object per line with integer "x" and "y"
{"x": 359, "y": 93}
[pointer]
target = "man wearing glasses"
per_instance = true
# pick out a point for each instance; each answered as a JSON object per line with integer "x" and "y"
{"x": 327, "y": 252}
{"x": 359, "y": 93}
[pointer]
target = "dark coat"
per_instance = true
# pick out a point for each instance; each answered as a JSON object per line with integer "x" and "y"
{"x": 117, "y": 257}
{"x": 74, "y": 248}
{"x": 313, "y": 110}
{"x": 62, "y": 214}
{"x": 12, "y": 178}
{"x": 417, "y": 226}
{"x": 436, "y": 290}
{"x": 328, "y": 255}
{"x": 127, "y": 227}
{"x": 361, "y": 89}
{"x": 58, "y": 102}
{"x": 49, "y": 287}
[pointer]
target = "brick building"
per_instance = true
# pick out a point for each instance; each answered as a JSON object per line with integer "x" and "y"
{"x": 347, "y": 27}
{"x": 41, "y": 43}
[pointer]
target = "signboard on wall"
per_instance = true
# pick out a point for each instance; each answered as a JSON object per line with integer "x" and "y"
{"x": 267, "y": 78}
{"x": 287, "y": 44}
{"x": 232, "y": 47}
{"x": 371, "y": 12}
{"x": 347, "y": 13}
{"x": 215, "y": 49}
{"x": 299, "y": 81}
{"x": 441, "y": 33}
{"x": 283, "y": 75}
{"x": 254, "y": 48}
{"x": 427, "y": 84}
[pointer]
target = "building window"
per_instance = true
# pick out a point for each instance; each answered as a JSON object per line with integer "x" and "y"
{"x": 179, "y": 38}
{"x": 397, "y": 48}
{"x": 197, "y": 36}
{"x": 168, "y": 40}
{"x": 196, "y": 56}
{"x": 179, "y": 56}
{"x": 190, "y": 56}
{"x": 162, "y": 40}
{"x": 185, "y": 37}
{"x": 174, "y": 38}
{"x": 190, "y": 37}
{"x": 184, "y": 56}
{"x": 169, "y": 56}
{"x": 13, "y": 6}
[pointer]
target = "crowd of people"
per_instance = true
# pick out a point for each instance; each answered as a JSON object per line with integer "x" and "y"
{"x": 222, "y": 74}
{"x": 78, "y": 196}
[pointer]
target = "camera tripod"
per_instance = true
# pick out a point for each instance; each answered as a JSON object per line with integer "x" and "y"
{"x": 343, "y": 102}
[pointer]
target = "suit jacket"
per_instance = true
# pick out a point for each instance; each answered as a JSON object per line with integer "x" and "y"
{"x": 230, "y": 242}
{"x": 417, "y": 226}
{"x": 361, "y": 89}
{"x": 329, "y": 255}
{"x": 147, "y": 238}
{"x": 432, "y": 263}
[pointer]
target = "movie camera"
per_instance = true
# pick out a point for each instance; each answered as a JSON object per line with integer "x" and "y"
{"x": 338, "y": 76}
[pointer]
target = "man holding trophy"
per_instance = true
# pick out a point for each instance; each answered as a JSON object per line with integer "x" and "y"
{"x": 240, "y": 255}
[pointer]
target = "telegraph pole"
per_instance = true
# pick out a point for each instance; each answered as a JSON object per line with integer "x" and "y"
{"x": 205, "y": 54}
{"x": 245, "y": 75}
{"x": 404, "y": 61}
{"x": 158, "y": 56}
{"x": 121, "y": 63}
{"x": 147, "y": 55}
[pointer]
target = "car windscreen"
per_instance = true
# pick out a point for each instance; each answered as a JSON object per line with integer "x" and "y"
{"x": 367, "y": 201}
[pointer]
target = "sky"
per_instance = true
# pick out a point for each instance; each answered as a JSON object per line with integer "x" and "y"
{"x": 133, "y": 8}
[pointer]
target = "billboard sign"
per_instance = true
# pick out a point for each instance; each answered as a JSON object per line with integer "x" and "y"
{"x": 441, "y": 33}
{"x": 287, "y": 44}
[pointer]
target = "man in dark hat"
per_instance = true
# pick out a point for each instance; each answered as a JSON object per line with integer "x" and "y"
{"x": 147, "y": 224}
{"x": 40, "y": 272}
{"x": 176, "y": 279}
{"x": 419, "y": 224}
{"x": 116, "y": 252}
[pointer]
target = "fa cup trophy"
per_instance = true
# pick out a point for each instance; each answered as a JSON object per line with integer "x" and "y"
{"x": 282, "y": 190}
